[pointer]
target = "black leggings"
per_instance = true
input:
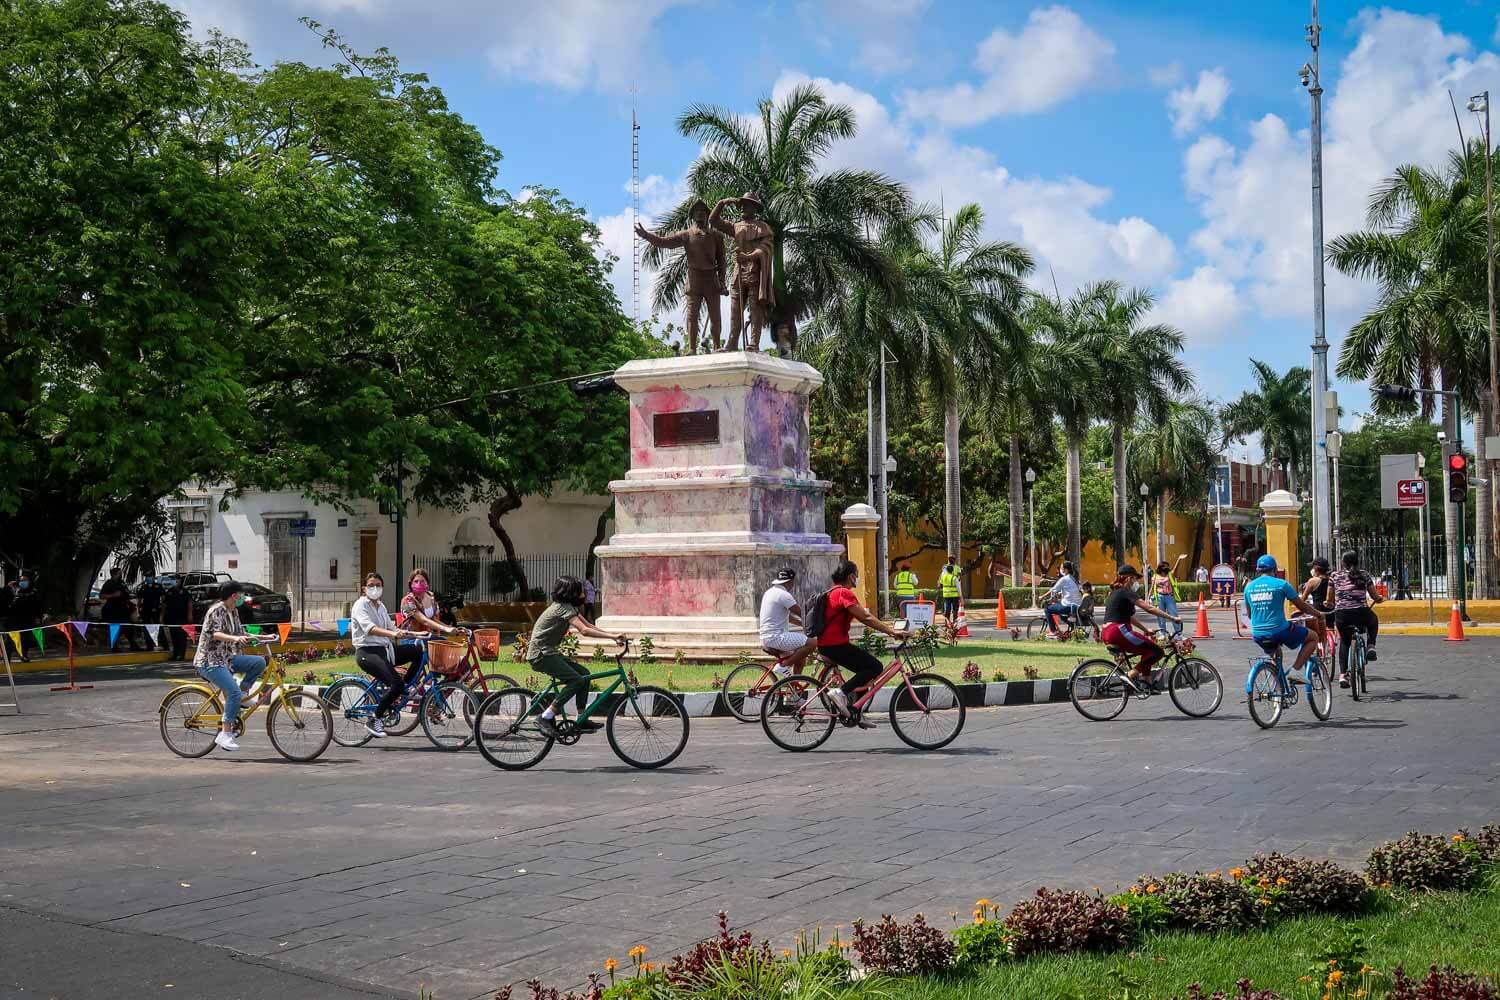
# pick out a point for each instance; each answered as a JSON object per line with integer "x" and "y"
{"x": 863, "y": 667}
{"x": 1346, "y": 621}
{"x": 373, "y": 661}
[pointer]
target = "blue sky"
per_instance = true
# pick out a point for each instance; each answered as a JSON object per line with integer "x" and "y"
{"x": 1162, "y": 143}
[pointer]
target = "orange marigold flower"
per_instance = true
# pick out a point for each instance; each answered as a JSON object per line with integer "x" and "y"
{"x": 1458, "y": 837}
{"x": 982, "y": 902}
{"x": 786, "y": 953}
{"x": 638, "y": 951}
{"x": 610, "y": 965}
{"x": 1335, "y": 976}
{"x": 1236, "y": 872}
{"x": 1151, "y": 890}
{"x": 1283, "y": 881}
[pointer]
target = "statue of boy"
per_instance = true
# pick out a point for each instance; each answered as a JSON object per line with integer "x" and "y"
{"x": 754, "y": 247}
{"x": 706, "y": 265}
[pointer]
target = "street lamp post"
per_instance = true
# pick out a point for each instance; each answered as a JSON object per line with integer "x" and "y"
{"x": 1320, "y": 491}
{"x": 1481, "y": 103}
{"x": 1031, "y": 516}
{"x": 1145, "y": 492}
{"x": 1335, "y": 446}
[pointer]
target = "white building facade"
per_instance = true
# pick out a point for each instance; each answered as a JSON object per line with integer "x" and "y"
{"x": 253, "y": 540}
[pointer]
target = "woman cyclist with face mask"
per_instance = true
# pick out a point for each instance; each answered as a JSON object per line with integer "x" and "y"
{"x": 375, "y": 650}
{"x": 419, "y": 605}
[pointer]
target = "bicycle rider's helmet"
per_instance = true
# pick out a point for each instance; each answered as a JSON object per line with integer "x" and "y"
{"x": 1266, "y": 564}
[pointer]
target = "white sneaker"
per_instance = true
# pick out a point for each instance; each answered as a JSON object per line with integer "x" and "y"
{"x": 375, "y": 729}
{"x": 840, "y": 700}
{"x": 782, "y": 671}
{"x": 225, "y": 741}
{"x": 1296, "y": 677}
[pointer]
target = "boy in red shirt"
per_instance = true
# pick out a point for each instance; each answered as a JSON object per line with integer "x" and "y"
{"x": 843, "y": 610}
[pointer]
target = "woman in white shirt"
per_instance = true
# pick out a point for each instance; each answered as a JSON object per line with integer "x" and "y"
{"x": 1068, "y": 593}
{"x": 374, "y": 649}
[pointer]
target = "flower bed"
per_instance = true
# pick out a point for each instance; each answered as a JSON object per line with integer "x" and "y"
{"x": 1272, "y": 910}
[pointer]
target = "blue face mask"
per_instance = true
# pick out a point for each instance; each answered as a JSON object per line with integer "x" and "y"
{"x": 24, "y": 584}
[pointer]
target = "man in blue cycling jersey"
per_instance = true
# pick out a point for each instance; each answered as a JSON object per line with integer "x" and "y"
{"x": 1266, "y": 598}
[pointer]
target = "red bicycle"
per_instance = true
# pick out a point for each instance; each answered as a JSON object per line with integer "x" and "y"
{"x": 747, "y": 685}
{"x": 926, "y": 710}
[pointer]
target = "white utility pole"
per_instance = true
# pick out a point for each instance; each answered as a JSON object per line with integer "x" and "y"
{"x": 1322, "y": 508}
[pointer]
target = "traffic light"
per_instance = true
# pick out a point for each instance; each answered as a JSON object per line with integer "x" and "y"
{"x": 1396, "y": 393}
{"x": 1458, "y": 477}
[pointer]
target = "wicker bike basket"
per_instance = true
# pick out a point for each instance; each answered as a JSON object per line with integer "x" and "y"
{"x": 447, "y": 658}
{"x": 488, "y": 641}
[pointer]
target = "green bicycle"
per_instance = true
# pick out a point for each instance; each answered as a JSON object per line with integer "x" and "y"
{"x": 647, "y": 726}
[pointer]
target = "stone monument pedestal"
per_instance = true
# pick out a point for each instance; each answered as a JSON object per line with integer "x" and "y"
{"x": 719, "y": 497}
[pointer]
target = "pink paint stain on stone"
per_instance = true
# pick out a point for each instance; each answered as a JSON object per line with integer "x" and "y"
{"x": 666, "y": 399}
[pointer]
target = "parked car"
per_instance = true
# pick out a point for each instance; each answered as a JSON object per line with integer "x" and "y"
{"x": 264, "y": 606}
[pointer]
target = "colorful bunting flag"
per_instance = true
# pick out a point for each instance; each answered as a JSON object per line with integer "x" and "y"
{"x": 253, "y": 629}
{"x": 343, "y": 626}
{"x": 285, "y": 628}
{"x": 317, "y": 625}
{"x": 82, "y": 628}
{"x": 114, "y": 635}
{"x": 192, "y": 632}
{"x": 41, "y": 638}
{"x": 154, "y": 631}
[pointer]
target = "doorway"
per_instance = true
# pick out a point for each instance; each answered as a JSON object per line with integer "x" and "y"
{"x": 368, "y": 548}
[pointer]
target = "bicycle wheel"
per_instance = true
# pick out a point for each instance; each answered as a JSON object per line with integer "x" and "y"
{"x": 488, "y": 684}
{"x": 1196, "y": 687}
{"x": 505, "y": 730}
{"x": 797, "y": 714}
{"x": 745, "y": 688}
{"x": 300, "y": 726}
{"x": 352, "y": 705}
{"x": 407, "y": 715}
{"x": 649, "y": 729}
{"x": 1097, "y": 690}
{"x": 448, "y": 715}
{"x": 189, "y": 721}
{"x": 1263, "y": 693}
{"x": 1036, "y": 628}
{"x": 1356, "y": 666}
{"x": 1319, "y": 693}
{"x": 932, "y": 718}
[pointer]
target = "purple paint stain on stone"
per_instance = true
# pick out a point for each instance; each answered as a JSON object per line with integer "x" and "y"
{"x": 776, "y": 427}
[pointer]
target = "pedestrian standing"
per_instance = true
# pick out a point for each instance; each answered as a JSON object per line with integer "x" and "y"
{"x": 1201, "y": 575}
{"x": 1165, "y": 586}
{"x": 948, "y": 587}
{"x": 590, "y": 599}
{"x": 150, "y": 595}
{"x": 906, "y": 584}
{"x": 177, "y": 611}
{"x": 118, "y": 609}
{"x": 25, "y": 613}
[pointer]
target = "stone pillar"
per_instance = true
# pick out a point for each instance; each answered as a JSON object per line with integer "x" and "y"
{"x": 861, "y": 526}
{"x": 719, "y": 497}
{"x": 1283, "y": 516}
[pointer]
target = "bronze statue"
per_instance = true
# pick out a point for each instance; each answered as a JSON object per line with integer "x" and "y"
{"x": 754, "y": 249}
{"x": 705, "y": 276}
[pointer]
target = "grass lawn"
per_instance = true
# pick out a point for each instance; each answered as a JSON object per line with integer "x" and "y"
{"x": 1458, "y": 929}
{"x": 1051, "y": 659}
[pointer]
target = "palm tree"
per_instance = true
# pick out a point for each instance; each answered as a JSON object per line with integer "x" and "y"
{"x": 1425, "y": 248}
{"x": 821, "y": 221}
{"x": 1143, "y": 372}
{"x": 1279, "y": 412}
{"x": 1019, "y": 405}
{"x": 1175, "y": 458}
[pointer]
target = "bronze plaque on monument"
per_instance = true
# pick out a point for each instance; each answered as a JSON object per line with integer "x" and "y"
{"x": 686, "y": 427}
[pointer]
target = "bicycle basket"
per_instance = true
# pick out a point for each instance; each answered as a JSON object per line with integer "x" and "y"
{"x": 488, "y": 641}
{"x": 920, "y": 658}
{"x": 447, "y": 658}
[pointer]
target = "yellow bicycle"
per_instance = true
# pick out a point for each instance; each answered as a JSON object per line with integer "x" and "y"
{"x": 298, "y": 722}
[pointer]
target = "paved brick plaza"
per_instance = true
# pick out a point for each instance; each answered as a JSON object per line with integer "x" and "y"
{"x": 375, "y": 871}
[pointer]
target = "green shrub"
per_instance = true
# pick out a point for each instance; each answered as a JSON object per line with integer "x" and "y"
{"x": 1202, "y": 902}
{"x": 1147, "y": 913}
{"x": 1485, "y": 843}
{"x": 1308, "y": 886}
{"x": 984, "y": 943}
{"x": 1065, "y": 922}
{"x": 1422, "y": 861}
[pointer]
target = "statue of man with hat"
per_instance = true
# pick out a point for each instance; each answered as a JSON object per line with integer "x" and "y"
{"x": 754, "y": 249}
{"x": 705, "y": 269}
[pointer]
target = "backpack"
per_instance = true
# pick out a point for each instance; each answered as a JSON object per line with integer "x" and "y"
{"x": 815, "y": 622}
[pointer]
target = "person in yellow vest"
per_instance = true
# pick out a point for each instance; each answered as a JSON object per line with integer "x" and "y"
{"x": 906, "y": 584}
{"x": 948, "y": 587}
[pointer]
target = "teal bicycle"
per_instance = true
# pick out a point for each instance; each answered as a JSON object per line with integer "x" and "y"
{"x": 1269, "y": 692}
{"x": 647, "y": 727}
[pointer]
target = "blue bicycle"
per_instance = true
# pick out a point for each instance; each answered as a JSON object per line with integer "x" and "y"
{"x": 1269, "y": 693}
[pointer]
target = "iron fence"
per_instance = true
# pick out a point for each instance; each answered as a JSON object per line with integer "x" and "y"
{"x": 492, "y": 580}
{"x": 1397, "y": 562}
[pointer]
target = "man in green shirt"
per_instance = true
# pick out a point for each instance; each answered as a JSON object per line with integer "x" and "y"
{"x": 544, "y": 655}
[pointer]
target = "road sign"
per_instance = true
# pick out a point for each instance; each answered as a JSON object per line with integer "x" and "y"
{"x": 1219, "y": 490}
{"x": 1393, "y": 469}
{"x": 918, "y": 614}
{"x": 1411, "y": 492}
{"x": 1221, "y": 580}
{"x": 302, "y": 527}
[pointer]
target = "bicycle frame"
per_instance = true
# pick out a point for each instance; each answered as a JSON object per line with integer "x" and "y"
{"x": 212, "y": 713}
{"x": 834, "y": 676}
{"x": 539, "y": 702}
{"x": 1286, "y": 691}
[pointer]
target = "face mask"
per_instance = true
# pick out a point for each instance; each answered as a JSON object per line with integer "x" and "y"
{"x": 419, "y": 586}
{"x": 374, "y": 593}
{"x": 24, "y": 584}
{"x": 239, "y": 601}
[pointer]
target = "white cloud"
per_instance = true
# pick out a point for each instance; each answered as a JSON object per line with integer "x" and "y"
{"x": 1191, "y": 107}
{"x": 569, "y": 44}
{"x": 617, "y": 237}
{"x": 882, "y": 28}
{"x": 1165, "y": 76}
{"x": 1387, "y": 105}
{"x": 1052, "y": 58}
{"x": 1204, "y": 306}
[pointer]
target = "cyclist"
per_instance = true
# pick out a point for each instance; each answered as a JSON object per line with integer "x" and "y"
{"x": 1318, "y": 590}
{"x": 420, "y": 607}
{"x": 843, "y": 609}
{"x": 372, "y": 632}
{"x": 1069, "y": 595}
{"x": 217, "y": 660}
{"x": 1351, "y": 585}
{"x": 1125, "y": 633}
{"x": 1165, "y": 587}
{"x": 948, "y": 587}
{"x": 906, "y": 583}
{"x": 543, "y": 650}
{"x": 779, "y": 611}
{"x": 1266, "y": 597}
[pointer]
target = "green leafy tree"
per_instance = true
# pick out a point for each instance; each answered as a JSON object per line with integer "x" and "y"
{"x": 1175, "y": 457}
{"x": 1278, "y": 413}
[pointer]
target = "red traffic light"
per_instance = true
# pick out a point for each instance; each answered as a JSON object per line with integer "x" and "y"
{"x": 1458, "y": 462}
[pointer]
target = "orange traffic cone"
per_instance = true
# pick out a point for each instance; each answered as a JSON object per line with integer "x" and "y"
{"x": 1456, "y": 626}
{"x": 1201, "y": 632}
{"x": 962, "y": 625}
{"x": 1000, "y": 610}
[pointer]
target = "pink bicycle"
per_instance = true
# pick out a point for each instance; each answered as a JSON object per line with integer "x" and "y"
{"x": 926, "y": 710}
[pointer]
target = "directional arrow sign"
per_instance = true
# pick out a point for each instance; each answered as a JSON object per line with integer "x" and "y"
{"x": 1411, "y": 492}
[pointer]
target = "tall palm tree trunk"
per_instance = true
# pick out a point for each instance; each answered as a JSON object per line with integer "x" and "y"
{"x": 1121, "y": 510}
{"x": 1075, "y": 497}
{"x": 1484, "y": 547}
{"x": 1161, "y": 528}
{"x": 1017, "y": 513}
{"x": 1450, "y": 509}
{"x": 952, "y": 515}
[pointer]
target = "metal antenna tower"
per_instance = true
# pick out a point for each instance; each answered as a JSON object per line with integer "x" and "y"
{"x": 635, "y": 211}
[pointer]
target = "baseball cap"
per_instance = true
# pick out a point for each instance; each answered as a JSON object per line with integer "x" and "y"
{"x": 1266, "y": 561}
{"x": 1128, "y": 570}
{"x": 785, "y": 575}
